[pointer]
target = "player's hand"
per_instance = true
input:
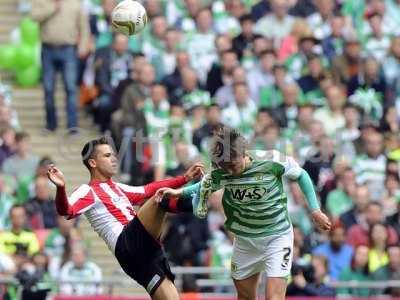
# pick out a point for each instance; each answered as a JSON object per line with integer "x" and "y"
{"x": 56, "y": 176}
{"x": 166, "y": 192}
{"x": 195, "y": 171}
{"x": 321, "y": 220}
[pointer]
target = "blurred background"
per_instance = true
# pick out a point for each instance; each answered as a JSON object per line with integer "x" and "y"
{"x": 316, "y": 79}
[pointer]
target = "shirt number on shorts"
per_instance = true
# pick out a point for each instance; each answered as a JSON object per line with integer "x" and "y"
{"x": 286, "y": 256}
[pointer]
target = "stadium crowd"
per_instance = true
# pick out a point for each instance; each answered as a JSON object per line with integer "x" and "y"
{"x": 316, "y": 79}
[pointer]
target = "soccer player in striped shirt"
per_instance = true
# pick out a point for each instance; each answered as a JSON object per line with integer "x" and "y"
{"x": 255, "y": 206}
{"x": 133, "y": 237}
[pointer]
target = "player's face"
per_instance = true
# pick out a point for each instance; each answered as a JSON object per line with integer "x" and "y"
{"x": 234, "y": 167}
{"x": 106, "y": 161}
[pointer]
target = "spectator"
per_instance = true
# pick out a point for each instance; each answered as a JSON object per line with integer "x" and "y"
{"x": 333, "y": 44}
{"x": 224, "y": 95}
{"x": 64, "y": 30}
{"x": 307, "y": 47}
{"x": 191, "y": 94}
{"x": 26, "y": 184}
{"x": 286, "y": 113}
{"x": 6, "y": 203}
{"x": 356, "y": 214}
{"x": 272, "y": 96}
{"x": 165, "y": 58}
{"x": 17, "y": 239}
{"x": 358, "y": 271}
{"x": 221, "y": 74}
{"x": 367, "y": 90}
{"x": 261, "y": 75}
{"x": 277, "y": 24}
{"x": 129, "y": 114}
{"x": 309, "y": 281}
{"x": 299, "y": 137}
{"x": 319, "y": 21}
{"x": 185, "y": 154}
{"x": 8, "y": 143}
{"x": 310, "y": 83}
{"x": 320, "y": 167}
{"x": 378, "y": 42}
{"x": 100, "y": 24}
{"x": 391, "y": 70}
{"x": 111, "y": 67}
{"x": 332, "y": 115}
{"x": 243, "y": 43}
{"x": 202, "y": 135}
{"x": 348, "y": 64}
{"x": 242, "y": 113}
{"x": 336, "y": 251}
{"x": 390, "y": 271}
{"x": 192, "y": 236}
{"x": 339, "y": 200}
{"x": 78, "y": 269}
{"x": 390, "y": 121}
{"x": 370, "y": 166}
{"x": 23, "y": 162}
{"x": 358, "y": 234}
{"x": 290, "y": 43}
{"x": 201, "y": 44}
{"x": 349, "y": 133}
{"x": 391, "y": 197}
{"x": 154, "y": 42}
{"x": 41, "y": 209}
{"x": 173, "y": 81}
{"x": 377, "y": 255}
{"x": 58, "y": 244}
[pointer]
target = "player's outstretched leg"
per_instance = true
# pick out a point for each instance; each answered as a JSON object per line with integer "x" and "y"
{"x": 247, "y": 288}
{"x": 152, "y": 216}
{"x": 158, "y": 279}
{"x": 275, "y": 289}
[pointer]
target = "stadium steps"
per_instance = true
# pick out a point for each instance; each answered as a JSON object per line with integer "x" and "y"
{"x": 8, "y": 19}
{"x": 62, "y": 148}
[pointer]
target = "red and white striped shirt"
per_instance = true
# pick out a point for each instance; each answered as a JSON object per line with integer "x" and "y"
{"x": 108, "y": 205}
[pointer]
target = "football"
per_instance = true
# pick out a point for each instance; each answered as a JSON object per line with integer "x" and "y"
{"x": 129, "y": 17}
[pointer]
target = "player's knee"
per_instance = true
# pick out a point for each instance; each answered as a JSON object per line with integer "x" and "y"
{"x": 276, "y": 289}
{"x": 246, "y": 293}
{"x": 166, "y": 291}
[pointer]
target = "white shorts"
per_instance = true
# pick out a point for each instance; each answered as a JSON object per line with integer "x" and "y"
{"x": 271, "y": 254}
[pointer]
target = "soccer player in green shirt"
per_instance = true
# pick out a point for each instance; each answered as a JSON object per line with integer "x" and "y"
{"x": 255, "y": 206}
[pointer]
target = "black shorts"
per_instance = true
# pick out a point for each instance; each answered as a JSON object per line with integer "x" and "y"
{"x": 142, "y": 257}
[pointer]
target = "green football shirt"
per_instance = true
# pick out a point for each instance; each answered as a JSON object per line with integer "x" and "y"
{"x": 254, "y": 202}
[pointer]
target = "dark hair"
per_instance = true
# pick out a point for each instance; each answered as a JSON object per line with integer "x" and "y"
{"x": 245, "y": 18}
{"x": 89, "y": 150}
{"x": 21, "y": 136}
{"x": 228, "y": 51}
{"x": 227, "y": 144}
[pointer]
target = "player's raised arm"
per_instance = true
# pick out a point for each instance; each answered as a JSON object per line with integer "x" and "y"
{"x": 293, "y": 171}
{"x": 307, "y": 187}
{"x": 138, "y": 194}
{"x": 80, "y": 200}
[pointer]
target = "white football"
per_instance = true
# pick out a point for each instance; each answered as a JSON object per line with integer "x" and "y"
{"x": 129, "y": 17}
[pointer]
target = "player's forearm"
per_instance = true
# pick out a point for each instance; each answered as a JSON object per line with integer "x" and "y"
{"x": 188, "y": 191}
{"x": 307, "y": 187}
{"x": 62, "y": 205}
{"x": 176, "y": 182}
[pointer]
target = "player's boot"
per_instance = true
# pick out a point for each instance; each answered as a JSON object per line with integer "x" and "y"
{"x": 199, "y": 199}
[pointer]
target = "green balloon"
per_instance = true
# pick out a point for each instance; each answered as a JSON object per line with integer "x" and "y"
{"x": 7, "y": 57}
{"x": 28, "y": 77}
{"x": 25, "y": 56}
{"x": 29, "y": 31}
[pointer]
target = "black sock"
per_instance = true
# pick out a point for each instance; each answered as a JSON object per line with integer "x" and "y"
{"x": 175, "y": 205}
